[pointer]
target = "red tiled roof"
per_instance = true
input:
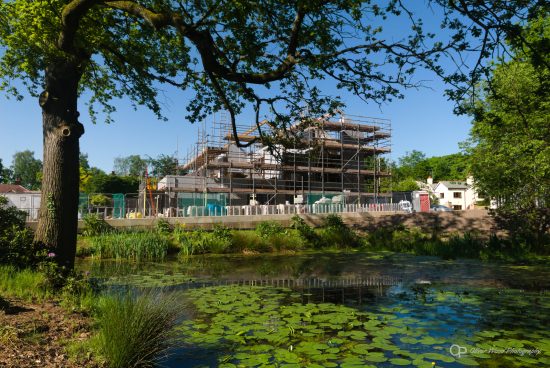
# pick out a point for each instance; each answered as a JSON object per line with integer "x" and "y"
{"x": 12, "y": 188}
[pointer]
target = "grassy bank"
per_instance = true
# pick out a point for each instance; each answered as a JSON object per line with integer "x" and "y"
{"x": 270, "y": 237}
{"x": 122, "y": 330}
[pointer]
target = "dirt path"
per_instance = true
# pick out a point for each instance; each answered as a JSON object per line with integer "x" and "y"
{"x": 35, "y": 335}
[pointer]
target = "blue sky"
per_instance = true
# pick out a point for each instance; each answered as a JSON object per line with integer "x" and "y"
{"x": 423, "y": 121}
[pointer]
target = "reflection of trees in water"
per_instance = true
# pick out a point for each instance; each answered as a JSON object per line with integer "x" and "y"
{"x": 409, "y": 268}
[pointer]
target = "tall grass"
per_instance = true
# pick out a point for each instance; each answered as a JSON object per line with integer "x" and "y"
{"x": 136, "y": 246}
{"x": 134, "y": 331}
{"x": 249, "y": 240}
{"x": 25, "y": 284}
{"x": 267, "y": 237}
{"x": 467, "y": 245}
{"x": 202, "y": 242}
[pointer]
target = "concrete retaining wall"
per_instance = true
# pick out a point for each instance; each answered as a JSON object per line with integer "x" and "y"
{"x": 456, "y": 221}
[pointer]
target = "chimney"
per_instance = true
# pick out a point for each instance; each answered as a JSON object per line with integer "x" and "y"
{"x": 470, "y": 180}
{"x": 430, "y": 181}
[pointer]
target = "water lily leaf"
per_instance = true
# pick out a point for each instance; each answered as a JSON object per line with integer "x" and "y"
{"x": 361, "y": 348}
{"x": 408, "y": 340}
{"x": 467, "y": 361}
{"x": 357, "y": 335}
{"x": 286, "y": 356}
{"x": 488, "y": 333}
{"x": 440, "y": 357}
{"x": 352, "y": 361}
{"x": 400, "y": 361}
{"x": 375, "y": 357}
{"x": 420, "y": 363}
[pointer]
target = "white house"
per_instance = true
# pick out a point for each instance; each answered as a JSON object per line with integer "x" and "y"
{"x": 22, "y": 198}
{"x": 458, "y": 195}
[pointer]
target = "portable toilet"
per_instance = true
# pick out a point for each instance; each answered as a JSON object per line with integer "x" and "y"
{"x": 421, "y": 201}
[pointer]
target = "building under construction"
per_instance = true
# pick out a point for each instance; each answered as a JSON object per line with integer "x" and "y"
{"x": 335, "y": 159}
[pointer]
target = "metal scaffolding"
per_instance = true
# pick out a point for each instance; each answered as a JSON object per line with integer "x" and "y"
{"x": 336, "y": 159}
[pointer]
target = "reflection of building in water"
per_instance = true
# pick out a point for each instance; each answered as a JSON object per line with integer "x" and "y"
{"x": 334, "y": 160}
{"x": 314, "y": 290}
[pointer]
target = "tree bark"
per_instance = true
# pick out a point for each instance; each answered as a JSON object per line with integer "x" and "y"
{"x": 58, "y": 216}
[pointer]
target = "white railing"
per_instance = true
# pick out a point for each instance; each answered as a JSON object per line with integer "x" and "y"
{"x": 216, "y": 210}
{"x": 282, "y": 209}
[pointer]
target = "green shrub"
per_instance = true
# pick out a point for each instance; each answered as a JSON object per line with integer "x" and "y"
{"x": 334, "y": 233}
{"x": 333, "y": 221}
{"x": 290, "y": 240}
{"x": 246, "y": 240}
{"x": 16, "y": 240}
{"x": 100, "y": 200}
{"x": 79, "y": 293}
{"x": 306, "y": 232}
{"x": 135, "y": 331}
{"x": 467, "y": 245}
{"x": 136, "y": 245}
{"x": 163, "y": 226}
{"x": 528, "y": 226}
{"x": 266, "y": 229}
{"x": 221, "y": 231}
{"x": 95, "y": 225}
{"x": 381, "y": 238}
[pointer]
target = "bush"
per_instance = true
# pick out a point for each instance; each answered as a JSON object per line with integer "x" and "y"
{"x": 245, "y": 240}
{"x": 16, "y": 240}
{"x": 96, "y": 225}
{"x": 467, "y": 245}
{"x": 134, "y": 331}
{"x": 528, "y": 226}
{"x": 333, "y": 221}
{"x": 100, "y": 200}
{"x": 290, "y": 240}
{"x": 163, "y": 226}
{"x": 306, "y": 232}
{"x": 79, "y": 293}
{"x": 335, "y": 233}
{"x": 266, "y": 229}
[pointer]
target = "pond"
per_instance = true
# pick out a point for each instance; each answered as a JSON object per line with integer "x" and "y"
{"x": 349, "y": 310}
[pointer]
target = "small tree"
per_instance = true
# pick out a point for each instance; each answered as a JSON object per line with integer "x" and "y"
{"x": 163, "y": 165}
{"x": 511, "y": 140}
{"x": 27, "y": 169}
{"x": 132, "y": 165}
{"x": 5, "y": 173}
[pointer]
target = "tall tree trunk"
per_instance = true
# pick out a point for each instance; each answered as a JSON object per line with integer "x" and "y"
{"x": 58, "y": 220}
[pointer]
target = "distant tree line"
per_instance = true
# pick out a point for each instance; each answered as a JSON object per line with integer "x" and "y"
{"x": 126, "y": 175}
{"x": 415, "y": 166}
{"x": 26, "y": 170}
